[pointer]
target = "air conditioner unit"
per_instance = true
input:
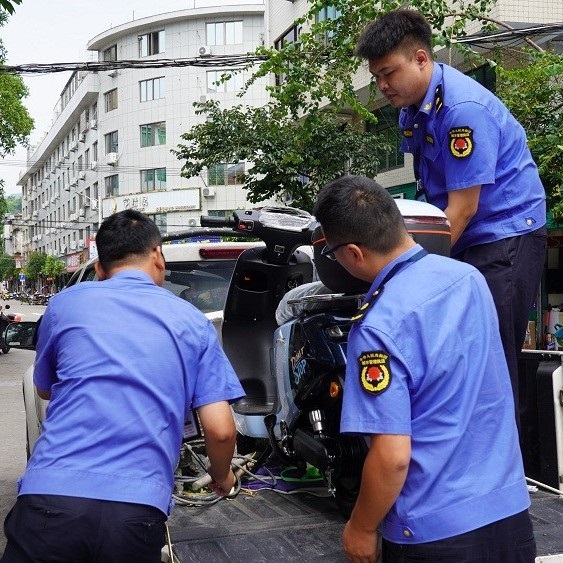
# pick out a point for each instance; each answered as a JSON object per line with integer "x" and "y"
{"x": 74, "y": 181}
{"x": 35, "y": 214}
{"x": 66, "y": 155}
{"x": 73, "y": 245}
{"x": 208, "y": 192}
{"x": 93, "y": 165}
{"x": 192, "y": 223}
{"x": 63, "y": 249}
{"x": 111, "y": 158}
{"x": 53, "y": 199}
{"x": 82, "y": 137}
{"x": 94, "y": 204}
{"x": 81, "y": 243}
{"x": 73, "y": 217}
{"x": 81, "y": 212}
{"x": 204, "y": 51}
{"x": 81, "y": 175}
{"x": 74, "y": 146}
{"x": 93, "y": 124}
{"x": 112, "y": 73}
{"x": 86, "y": 126}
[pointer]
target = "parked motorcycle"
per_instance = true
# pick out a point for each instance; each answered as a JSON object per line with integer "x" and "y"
{"x": 5, "y": 320}
{"x": 293, "y": 375}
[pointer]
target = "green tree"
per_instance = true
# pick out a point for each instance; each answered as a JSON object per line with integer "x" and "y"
{"x": 7, "y": 267}
{"x": 35, "y": 264}
{"x": 10, "y": 5}
{"x": 315, "y": 74}
{"x": 52, "y": 267}
{"x": 534, "y": 94}
{"x": 293, "y": 157}
{"x": 15, "y": 122}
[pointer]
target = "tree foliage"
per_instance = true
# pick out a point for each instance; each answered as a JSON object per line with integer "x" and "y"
{"x": 52, "y": 267}
{"x": 292, "y": 156}
{"x": 298, "y": 132}
{"x": 35, "y": 264}
{"x": 7, "y": 267}
{"x": 10, "y": 5}
{"x": 534, "y": 94}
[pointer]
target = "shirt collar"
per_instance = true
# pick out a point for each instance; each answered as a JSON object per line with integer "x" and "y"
{"x": 434, "y": 98}
{"x": 402, "y": 258}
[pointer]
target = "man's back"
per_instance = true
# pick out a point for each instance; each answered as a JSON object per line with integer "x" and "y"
{"x": 127, "y": 355}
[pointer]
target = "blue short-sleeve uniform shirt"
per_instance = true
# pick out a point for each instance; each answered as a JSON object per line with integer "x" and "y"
{"x": 462, "y": 136}
{"x": 124, "y": 360}
{"x": 429, "y": 364}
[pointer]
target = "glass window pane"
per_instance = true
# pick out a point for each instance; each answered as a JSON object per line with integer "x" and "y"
{"x": 210, "y": 34}
{"x": 161, "y": 42}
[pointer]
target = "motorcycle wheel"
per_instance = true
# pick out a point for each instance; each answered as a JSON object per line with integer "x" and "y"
{"x": 347, "y": 484}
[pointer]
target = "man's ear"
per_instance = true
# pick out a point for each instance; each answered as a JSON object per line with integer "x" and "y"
{"x": 100, "y": 272}
{"x": 355, "y": 254}
{"x": 422, "y": 57}
{"x": 158, "y": 257}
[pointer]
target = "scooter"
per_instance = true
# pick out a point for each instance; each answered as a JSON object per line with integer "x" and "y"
{"x": 293, "y": 375}
{"x": 5, "y": 320}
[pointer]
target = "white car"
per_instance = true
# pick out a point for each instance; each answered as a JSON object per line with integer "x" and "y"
{"x": 199, "y": 272}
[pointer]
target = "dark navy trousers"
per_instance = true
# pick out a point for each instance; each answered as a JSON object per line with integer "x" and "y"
{"x": 510, "y": 540}
{"x": 513, "y": 268}
{"x": 61, "y": 529}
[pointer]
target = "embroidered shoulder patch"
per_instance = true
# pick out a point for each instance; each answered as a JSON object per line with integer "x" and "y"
{"x": 375, "y": 371}
{"x": 461, "y": 141}
{"x": 407, "y": 132}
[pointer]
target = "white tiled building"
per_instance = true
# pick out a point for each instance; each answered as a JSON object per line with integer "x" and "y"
{"x": 110, "y": 145}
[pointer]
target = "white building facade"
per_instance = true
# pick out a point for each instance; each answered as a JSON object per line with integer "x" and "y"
{"x": 110, "y": 145}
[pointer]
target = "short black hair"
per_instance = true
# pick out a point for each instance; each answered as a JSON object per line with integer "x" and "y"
{"x": 358, "y": 209}
{"x": 125, "y": 235}
{"x": 398, "y": 29}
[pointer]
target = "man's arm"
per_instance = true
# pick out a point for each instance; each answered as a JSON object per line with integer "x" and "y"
{"x": 383, "y": 476}
{"x": 220, "y": 438}
{"x": 462, "y": 205}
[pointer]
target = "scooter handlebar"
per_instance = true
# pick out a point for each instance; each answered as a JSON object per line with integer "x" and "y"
{"x": 210, "y": 221}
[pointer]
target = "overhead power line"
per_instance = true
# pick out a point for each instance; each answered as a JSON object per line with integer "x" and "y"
{"x": 103, "y": 66}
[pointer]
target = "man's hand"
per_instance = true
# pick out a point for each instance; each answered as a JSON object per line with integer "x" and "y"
{"x": 222, "y": 485}
{"x": 359, "y": 546}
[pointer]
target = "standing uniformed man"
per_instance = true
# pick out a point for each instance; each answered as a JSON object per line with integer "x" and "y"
{"x": 472, "y": 161}
{"x": 425, "y": 380}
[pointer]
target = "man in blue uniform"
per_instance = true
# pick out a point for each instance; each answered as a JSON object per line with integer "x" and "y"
{"x": 122, "y": 361}
{"x": 471, "y": 160}
{"x": 425, "y": 380}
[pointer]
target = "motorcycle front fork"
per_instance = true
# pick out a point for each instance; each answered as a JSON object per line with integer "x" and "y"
{"x": 317, "y": 421}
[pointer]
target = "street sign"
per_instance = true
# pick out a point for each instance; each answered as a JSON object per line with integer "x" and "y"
{"x": 22, "y": 277}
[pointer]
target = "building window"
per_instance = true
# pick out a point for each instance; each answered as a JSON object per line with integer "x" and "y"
{"x": 152, "y": 89}
{"x": 224, "y": 33}
{"x": 328, "y": 13}
{"x": 111, "y": 142}
{"x": 112, "y": 185}
{"x": 290, "y": 36}
{"x": 224, "y": 174}
{"x": 110, "y": 99}
{"x": 151, "y": 43}
{"x": 110, "y": 54}
{"x": 153, "y": 179}
{"x": 234, "y": 84}
{"x": 153, "y": 134}
{"x": 389, "y": 134}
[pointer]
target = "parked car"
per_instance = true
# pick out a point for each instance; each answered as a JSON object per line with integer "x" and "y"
{"x": 197, "y": 272}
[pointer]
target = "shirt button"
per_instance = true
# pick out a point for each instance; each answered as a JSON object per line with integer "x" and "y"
{"x": 406, "y": 533}
{"x": 416, "y": 125}
{"x": 528, "y": 222}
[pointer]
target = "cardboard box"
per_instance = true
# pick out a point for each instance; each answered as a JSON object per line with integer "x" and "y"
{"x": 530, "y": 342}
